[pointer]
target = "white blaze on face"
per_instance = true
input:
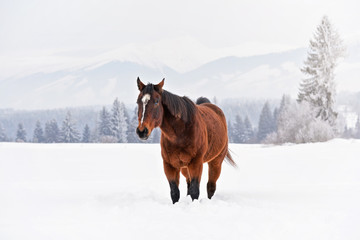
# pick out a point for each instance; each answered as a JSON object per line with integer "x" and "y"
{"x": 145, "y": 101}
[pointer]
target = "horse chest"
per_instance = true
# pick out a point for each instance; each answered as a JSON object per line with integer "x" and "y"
{"x": 178, "y": 158}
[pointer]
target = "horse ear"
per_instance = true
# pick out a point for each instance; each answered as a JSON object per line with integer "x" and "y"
{"x": 141, "y": 86}
{"x": 159, "y": 87}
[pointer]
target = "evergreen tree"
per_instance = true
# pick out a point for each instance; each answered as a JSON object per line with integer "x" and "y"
{"x": 132, "y": 137}
{"x": 105, "y": 123}
{"x": 3, "y": 137}
{"x": 319, "y": 88}
{"x": 249, "y": 132}
{"x": 238, "y": 130}
{"x": 21, "y": 133}
{"x": 69, "y": 133}
{"x": 283, "y": 120}
{"x": 348, "y": 133}
{"x": 275, "y": 117}
{"x": 230, "y": 131}
{"x": 52, "y": 133}
{"x": 357, "y": 128}
{"x": 38, "y": 136}
{"x": 119, "y": 126}
{"x": 284, "y": 104}
{"x": 86, "y": 136}
{"x": 265, "y": 123}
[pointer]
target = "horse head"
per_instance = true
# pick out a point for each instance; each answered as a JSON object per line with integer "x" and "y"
{"x": 150, "y": 109}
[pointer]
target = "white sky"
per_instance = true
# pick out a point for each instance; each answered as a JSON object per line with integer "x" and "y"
{"x": 38, "y": 34}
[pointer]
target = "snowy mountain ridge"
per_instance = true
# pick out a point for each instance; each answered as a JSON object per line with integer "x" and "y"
{"x": 259, "y": 77}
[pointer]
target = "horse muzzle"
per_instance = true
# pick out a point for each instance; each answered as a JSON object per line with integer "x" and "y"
{"x": 144, "y": 134}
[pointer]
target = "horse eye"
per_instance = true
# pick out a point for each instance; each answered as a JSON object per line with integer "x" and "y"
{"x": 156, "y": 101}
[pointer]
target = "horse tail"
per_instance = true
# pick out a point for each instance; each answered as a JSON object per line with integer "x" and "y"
{"x": 202, "y": 100}
{"x": 229, "y": 159}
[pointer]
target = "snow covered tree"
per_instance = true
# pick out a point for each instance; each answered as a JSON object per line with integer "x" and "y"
{"x": 52, "y": 132}
{"x": 230, "y": 131}
{"x": 21, "y": 133}
{"x": 357, "y": 128}
{"x": 86, "y": 136}
{"x": 248, "y": 130}
{"x": 132, "y": 137}
{"x": 105, "y": 123}
{"x": 105, "y": 128}
{"x": 275, "y": 117}
{"x": 283, "y": 116}
{"x": 266, "y": 123}
{"x": 318, "y": 89}
{"x": 238, "y": 130}
{"x": 347, "y": 133}
{"x": 119, "y": 125}
{"x": 297, "y": 124}
{"x": 3, "y": 137}
{"x": 38, "y": 136}
{"x": 69, "y": 133}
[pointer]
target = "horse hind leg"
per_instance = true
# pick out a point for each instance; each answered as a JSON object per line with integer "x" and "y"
{"x": 214, "y": 174}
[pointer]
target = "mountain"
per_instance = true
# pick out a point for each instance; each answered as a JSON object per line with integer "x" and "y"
{"x": 256, "y": 77}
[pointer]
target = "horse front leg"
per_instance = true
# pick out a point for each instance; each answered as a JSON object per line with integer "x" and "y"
{"x": 173, "y": 176}
{"x": 195, "y": 171}
{"x": 185, "y": 172}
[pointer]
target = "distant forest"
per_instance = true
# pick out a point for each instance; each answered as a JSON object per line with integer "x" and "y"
{"x": 96, "y": 123}
{"x": 249, "y": 121}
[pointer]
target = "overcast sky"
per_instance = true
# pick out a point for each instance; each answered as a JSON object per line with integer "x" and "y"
{"x": 183, "y": 34}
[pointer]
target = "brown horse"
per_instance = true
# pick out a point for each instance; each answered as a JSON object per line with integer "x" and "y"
{"x": 191, "y": 134}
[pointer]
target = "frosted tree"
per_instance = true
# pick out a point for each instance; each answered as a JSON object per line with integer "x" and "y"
{"x": 119, "y": 125}
{"x": 318, "y": 88}
{"x": 283, "y": 117}
{"x": 52, "y": 132}
{"x": 347, "y": 133}
{"x": 238, "y": 130}
{"x": 248, "y": 130}
{"x": 275, "y": 117}
{"x": 105, "y": 128}
{"x": 38, "y": 136}
{"x": 266, "y": 123}
{"x": 86, "y": 136}
{"x": 132, "y": 137}
{"x": 69, "y": 133}
{"x": 230, "y": 131}
{"x": 21, "y": 133}
{"x": 357, "y": 128}
{"x": 105, "y": 123}
{"x": 297, "y": 123}
{"x": 3, "y": 137}
{"x": 287, "y": 122}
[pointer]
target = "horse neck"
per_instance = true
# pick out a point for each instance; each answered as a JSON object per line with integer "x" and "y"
{"x": 172, "y": 126}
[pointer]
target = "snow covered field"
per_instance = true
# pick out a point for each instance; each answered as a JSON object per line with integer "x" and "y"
{"x": 115, "y": 191}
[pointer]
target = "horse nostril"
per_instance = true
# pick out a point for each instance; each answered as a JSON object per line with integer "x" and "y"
{"x": 142, "y": 134}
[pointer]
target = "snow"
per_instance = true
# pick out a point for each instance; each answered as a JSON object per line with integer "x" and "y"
{"x": 119, "y": 191}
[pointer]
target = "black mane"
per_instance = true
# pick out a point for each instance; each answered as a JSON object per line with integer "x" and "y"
{"x": 180, "y": 107}
{"x": 202, "y": 100}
